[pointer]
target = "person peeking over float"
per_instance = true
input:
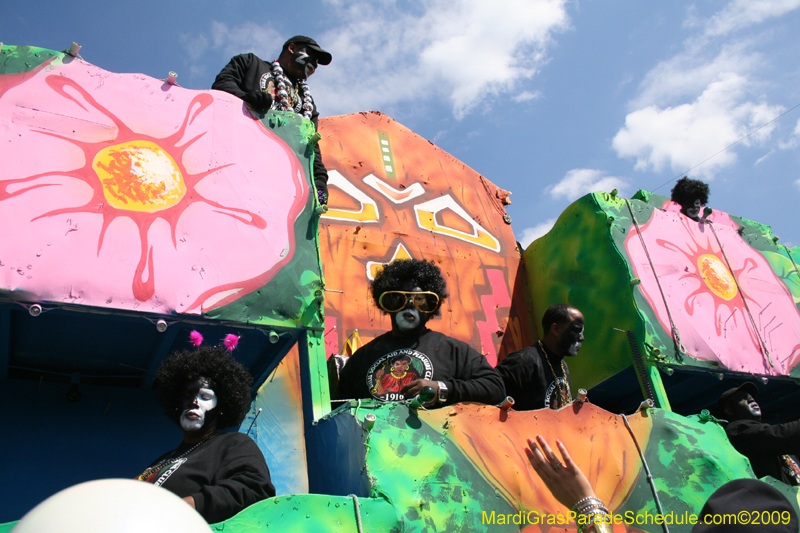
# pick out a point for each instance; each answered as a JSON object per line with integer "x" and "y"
{"x": 218, "y": 474}
{"x": 692, "y": 195}
{"x": 399, "y": 364}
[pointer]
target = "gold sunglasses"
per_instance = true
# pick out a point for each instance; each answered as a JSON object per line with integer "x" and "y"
{"x": 394, "y": 301}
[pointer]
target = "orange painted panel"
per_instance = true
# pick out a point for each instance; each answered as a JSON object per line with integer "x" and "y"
{"x": 394, "y": 194}
{"x": 597, "y": 440}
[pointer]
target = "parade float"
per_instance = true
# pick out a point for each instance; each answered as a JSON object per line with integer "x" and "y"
{"x": 134, "y": 211}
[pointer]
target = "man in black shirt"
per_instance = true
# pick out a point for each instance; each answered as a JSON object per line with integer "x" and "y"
{"x": 398, "y": 364}
{"x": 217, "y": 474}
{"x": 771, "y": 448}
{"x": 280, "y": 85}
{"x": 537, "y": 376}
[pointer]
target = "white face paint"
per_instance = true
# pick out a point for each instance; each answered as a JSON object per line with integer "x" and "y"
{"x": 575, "y": 347}
{"x": 407, "y": 320}
{"x": 193, "y": 418}
{"x": 304, "y": 64}
{"x": 694, "y": 211}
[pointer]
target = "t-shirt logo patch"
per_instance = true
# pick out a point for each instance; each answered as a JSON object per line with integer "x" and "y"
{"x": 389, "y": 374}
{"x": 556, "y": 395}
{"x": 160, "y": 473}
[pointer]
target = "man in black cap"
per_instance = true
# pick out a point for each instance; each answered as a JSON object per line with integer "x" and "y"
{"x": 537, "y": 376}
{"x": 280, "y": 85}
{"x": 771, "y": 448}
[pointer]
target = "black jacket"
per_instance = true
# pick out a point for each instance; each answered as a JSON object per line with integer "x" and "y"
{"x": 242, "y": 76}
{"x": 224, "y": 475}
{"x": 764, "y": 443}
{"x": 468, "y": 375}
{"x": 529, "y": 380}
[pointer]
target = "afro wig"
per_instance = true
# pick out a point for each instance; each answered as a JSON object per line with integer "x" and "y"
{"x": 686, "y": 191}
{"x": 423, "y": 274}
{"x": 229, "y": 379}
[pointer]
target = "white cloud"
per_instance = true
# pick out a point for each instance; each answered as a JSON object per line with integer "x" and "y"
{"x": 698, "y": 107}
{"x": 581, "y": 181}
{"x": 763, "y": 158}
{"x": 461, "y": 54}
{"x": 524, "y": 96}
{"x": 794, "y": 139}
{"x": 743, "y": 13}
{"x": 531, "y": 234}
{"x": 689, "y": 73}
{"x": 683, "y": 136}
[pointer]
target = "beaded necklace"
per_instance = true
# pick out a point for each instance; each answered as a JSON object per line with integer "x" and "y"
{"x": 568, "y": 396}
{"x": 305, "y": 103}
{"x": 164, "y": 462}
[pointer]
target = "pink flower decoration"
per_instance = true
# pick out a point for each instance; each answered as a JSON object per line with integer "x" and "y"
{"x": 118, "y": 190}
{"x": 195, "y": 338}
{"x": 709, "y": 310}
{"x": 716, "y": 217}
{"x": 231, "y": 342}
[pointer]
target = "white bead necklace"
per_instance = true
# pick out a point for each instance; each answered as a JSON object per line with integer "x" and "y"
{"x": 305, "y": 105}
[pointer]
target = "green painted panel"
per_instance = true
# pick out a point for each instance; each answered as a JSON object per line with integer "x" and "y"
{"x": 294, "y": 296}
{"x": 18, "y": 59}
{"x": 578, "y": 262}
{"x": 314, "y": 513}
{"x": 720, "y": 294}
{"x": 430, "y": 483}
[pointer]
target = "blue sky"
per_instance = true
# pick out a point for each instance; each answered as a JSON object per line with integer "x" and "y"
{"x": 546, "y": 98}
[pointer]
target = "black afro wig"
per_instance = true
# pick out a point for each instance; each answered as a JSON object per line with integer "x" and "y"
{"x": 425, "y": 275}
{"x": 686, "y": 191}
{"x": 229, "y": 379}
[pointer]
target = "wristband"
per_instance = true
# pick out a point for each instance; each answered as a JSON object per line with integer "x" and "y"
{"x": 443, "y": 392}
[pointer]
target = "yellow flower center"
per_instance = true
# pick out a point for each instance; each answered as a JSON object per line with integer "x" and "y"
{"x": 139, "y": 176}
{"x": 717, "y": 276}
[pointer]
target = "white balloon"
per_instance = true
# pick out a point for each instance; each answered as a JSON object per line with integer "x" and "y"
{"x": 113, "y": 505}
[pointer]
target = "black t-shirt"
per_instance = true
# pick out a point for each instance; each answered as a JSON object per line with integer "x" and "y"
{"x": 224, "y": 475}
{"x": 382, "y": 367}
{"x": 530, "y": 381}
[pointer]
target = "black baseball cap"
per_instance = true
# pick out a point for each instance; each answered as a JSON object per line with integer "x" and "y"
{"x": 323, "y": 57}
{"x": 730, "y": 393}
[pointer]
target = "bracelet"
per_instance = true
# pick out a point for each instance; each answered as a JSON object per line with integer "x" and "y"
{"x": 593, "y": 507}
{"x": 587, "y": 504}
{"x": 596, "y": 517}
{"x": 584, "y": 500}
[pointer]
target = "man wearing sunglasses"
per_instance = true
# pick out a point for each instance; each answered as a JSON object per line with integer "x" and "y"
{"x": 397, "y": 365}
